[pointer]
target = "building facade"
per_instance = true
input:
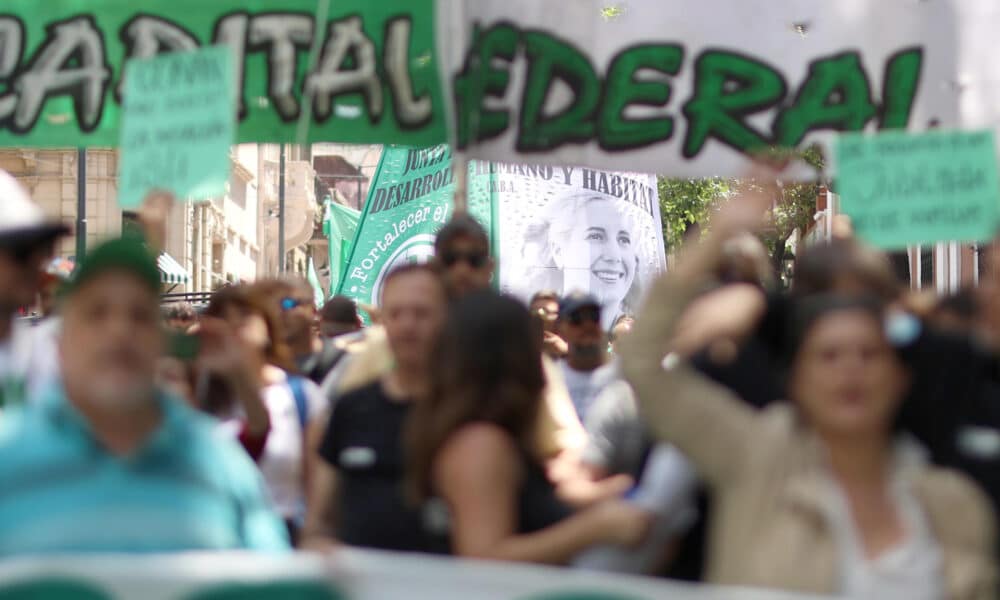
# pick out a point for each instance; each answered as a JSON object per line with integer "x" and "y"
{"x": 230, "y": 238}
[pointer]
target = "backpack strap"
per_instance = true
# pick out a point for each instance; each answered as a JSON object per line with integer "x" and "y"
{"x": 299, "y": 393}
{"x": 297, "y": 385}
{"x": 331, "y": 356}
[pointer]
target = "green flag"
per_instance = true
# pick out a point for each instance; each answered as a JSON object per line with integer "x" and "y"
{"x": 319, "y": 298}
{"x": 409, "y": 201}
{"x": 368, "y": 72}
{"x": 340, "y": 223}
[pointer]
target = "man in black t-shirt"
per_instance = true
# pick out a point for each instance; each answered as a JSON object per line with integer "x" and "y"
{"x": 357, "y": 494}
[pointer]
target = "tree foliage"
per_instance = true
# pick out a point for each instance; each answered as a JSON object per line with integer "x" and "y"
{"x": 686, "y": 203}
{"x": 794, "y": 210}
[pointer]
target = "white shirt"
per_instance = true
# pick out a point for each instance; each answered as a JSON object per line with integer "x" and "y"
{"x": 281, "y": 463}
{"x": 911, "y": 570}
{"x": 29, "y": 359}
{"x": 585, "y": 386}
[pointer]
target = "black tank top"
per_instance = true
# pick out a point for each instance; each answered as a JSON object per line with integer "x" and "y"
{"x": 537, "y": 508}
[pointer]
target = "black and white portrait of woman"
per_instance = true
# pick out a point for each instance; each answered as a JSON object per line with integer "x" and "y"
{"x": 585, "y": 242}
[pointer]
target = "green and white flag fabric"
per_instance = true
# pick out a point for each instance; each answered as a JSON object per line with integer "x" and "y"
{"x": 409, "y": 201}
{"x": 319, "y": 297}
{"x": 340, "y": 223}
{"x": 350, "y": 71}
{"x": 666, "y": 86}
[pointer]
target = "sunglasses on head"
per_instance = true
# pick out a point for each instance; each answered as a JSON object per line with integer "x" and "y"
{"x": 584, "y": 315}
{"x": 476, "y": 260}
{"x": 291, "y": 303}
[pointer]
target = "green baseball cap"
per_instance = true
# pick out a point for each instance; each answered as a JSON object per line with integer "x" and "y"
{"x": 126, "y": 254}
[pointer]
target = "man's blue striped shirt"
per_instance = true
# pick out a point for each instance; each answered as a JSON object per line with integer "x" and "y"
{"x": 186, "y": 488}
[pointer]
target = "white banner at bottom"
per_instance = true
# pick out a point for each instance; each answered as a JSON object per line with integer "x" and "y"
{"x": 348, "y": 574}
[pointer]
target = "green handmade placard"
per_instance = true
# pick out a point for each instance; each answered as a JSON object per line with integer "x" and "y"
{"x": 178, "y": 124}
{"x": 900, "y": 188}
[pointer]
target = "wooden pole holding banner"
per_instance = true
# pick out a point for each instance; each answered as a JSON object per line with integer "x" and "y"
{"x": 451, "y": 18}
{"x": 460, "y": 166}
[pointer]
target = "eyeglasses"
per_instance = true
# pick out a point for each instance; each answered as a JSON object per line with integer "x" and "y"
{"x": 476, "y": 260}
{"x": 291, "y": 303}
{"x": 585, "y": 315}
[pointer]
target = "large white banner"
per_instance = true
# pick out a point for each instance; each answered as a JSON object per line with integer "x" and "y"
{"x": 688, "y": 88}
{"x": 346, "y": 574}
{"x": 567, "y": 229}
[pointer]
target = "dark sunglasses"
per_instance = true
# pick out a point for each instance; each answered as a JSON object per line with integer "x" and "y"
{"x": 584, "y": 315}
{"x": 476, "y": 260}
{"x": 291, "y": 303}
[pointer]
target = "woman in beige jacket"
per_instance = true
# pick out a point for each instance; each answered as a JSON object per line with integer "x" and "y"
{"x": 817, "y": 495}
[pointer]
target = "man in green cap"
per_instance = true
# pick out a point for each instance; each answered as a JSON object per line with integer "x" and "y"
{"x": 105, "y": 462}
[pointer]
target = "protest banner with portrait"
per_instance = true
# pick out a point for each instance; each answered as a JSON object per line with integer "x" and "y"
{"x": 567, "y": 229}
{"x": 562, "y": 229}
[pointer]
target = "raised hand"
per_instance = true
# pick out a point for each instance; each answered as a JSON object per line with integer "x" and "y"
{"x": 222, "y": 353}
{"x": 153, "y": 217}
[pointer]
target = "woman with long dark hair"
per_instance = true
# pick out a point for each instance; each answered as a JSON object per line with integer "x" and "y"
{"x": 470, "y": 447}
{"x": 288, "y": 401}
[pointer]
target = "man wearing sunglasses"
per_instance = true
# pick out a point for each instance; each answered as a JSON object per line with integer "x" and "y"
{"x": 462, "y": 255}
{"x": 26, "y": 242}
{"x": 293, "y": 297}
{"x": 586, "y": 368}
{"x": 462, "y": 249}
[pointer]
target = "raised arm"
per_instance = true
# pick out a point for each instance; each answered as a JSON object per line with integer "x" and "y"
{"x": 713, "y": 428}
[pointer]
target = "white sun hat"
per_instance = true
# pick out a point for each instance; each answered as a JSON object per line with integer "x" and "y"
{"x": 22, "y": 222}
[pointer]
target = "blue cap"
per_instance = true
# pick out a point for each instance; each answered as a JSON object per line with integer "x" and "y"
{"x": 574, "y": 301}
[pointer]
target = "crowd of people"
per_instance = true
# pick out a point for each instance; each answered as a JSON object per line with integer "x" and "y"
{"x": 842, "y": 437}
